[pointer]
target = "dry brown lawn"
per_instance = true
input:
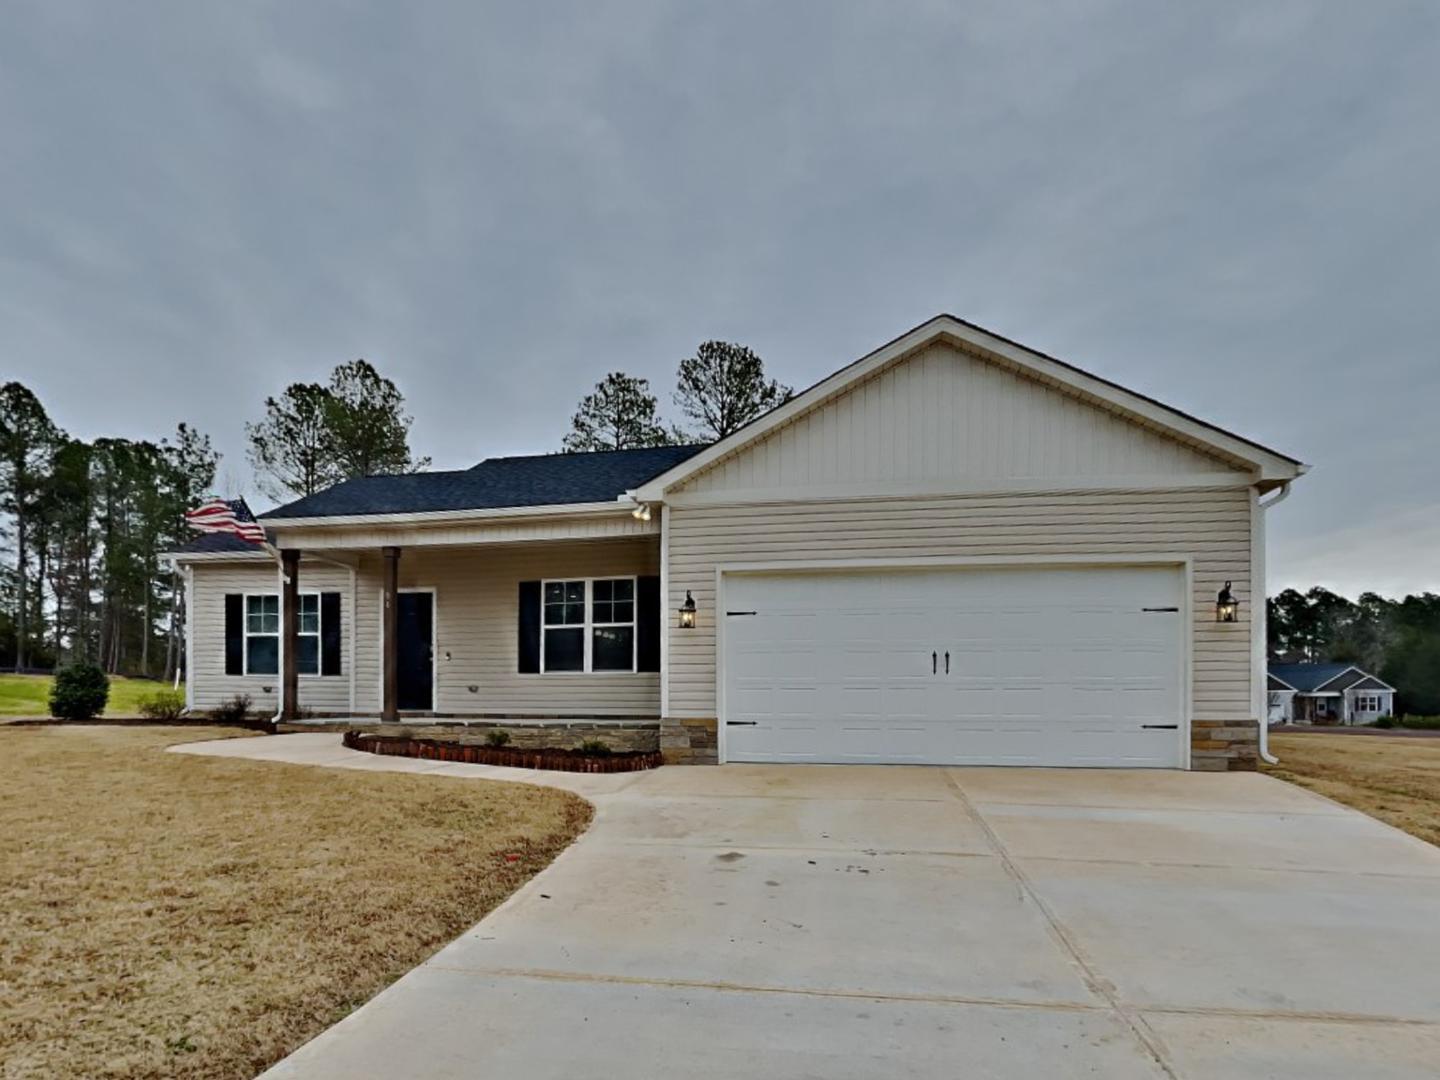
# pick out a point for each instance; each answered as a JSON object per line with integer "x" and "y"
{"x": 1389, "y": 777}
{"x": 167, "y": 915}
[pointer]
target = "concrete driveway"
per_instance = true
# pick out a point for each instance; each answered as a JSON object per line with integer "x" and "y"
{"x": 869, "y": 922}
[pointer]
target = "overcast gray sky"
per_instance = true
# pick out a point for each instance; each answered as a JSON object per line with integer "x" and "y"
{"x": 1231, "y": 207}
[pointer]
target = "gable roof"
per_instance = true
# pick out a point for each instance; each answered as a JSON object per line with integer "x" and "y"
{"x": 1271, "y": 467}
{"x": 495, "y": 483}
{"x": 1329, "y": 677}
{"x": 1273, "y": 682}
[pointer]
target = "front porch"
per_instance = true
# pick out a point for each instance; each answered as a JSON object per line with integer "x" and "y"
{"x": 545, "y": 639}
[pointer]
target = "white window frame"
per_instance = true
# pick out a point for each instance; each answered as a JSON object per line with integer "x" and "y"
{"x": 1367, "y": 701}
{"x": 589, "y": 626}
{"x": 318, "y": 635}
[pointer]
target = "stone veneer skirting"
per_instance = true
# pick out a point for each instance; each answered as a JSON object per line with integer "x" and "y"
{"x": 1215, "y": 745}
{"x": 689, "y": 741}
{"x": 1224, "y": 746}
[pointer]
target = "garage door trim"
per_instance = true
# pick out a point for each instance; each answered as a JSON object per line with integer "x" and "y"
{"x": 988, "y": 562}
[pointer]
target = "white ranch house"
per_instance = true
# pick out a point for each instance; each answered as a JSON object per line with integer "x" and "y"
{"x": 953, "y": 550}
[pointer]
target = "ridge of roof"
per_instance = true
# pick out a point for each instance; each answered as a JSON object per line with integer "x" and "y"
{"x": 693, "y": 447}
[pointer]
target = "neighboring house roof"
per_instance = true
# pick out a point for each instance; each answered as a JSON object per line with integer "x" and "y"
{"x": 1330, "y": 677}
{"x": 1369, "y": 682}
{"x": 496, "y": 483}
{"x": 1271, "y": 467}
{"x": 1273, "y": 683}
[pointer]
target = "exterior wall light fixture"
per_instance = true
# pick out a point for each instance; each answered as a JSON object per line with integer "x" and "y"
{"x": 1227, "y": 608}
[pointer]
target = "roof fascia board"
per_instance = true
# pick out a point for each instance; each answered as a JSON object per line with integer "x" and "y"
{"x": 1283, "y": 683}
{"x": 441, "y": 517}
{"x": 1269, "y": 465}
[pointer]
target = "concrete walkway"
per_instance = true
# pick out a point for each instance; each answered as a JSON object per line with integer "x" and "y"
{"x": 864, "y": 922}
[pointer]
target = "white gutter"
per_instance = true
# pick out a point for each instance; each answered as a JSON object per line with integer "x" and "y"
{"x": 1259, "y": 622}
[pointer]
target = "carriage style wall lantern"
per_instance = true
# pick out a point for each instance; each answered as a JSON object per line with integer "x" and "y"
{"x": 687, "y": 612}
{"x": 1227, "y": 608}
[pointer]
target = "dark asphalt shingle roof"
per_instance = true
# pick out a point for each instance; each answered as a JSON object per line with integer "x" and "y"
{"x": 1310, "y": 677}
{"x": 218, "y": 544}
{"x": 496, "y": 483}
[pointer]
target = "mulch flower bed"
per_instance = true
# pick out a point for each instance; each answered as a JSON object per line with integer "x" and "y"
{"x": 512, "y": 757}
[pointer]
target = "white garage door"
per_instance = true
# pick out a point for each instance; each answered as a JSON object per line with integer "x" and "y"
{"x": 972, "y": 667}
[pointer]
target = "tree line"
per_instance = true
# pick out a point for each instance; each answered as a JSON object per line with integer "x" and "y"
{"x": 86, "y": 523}
{"x": 1398, "y": 640}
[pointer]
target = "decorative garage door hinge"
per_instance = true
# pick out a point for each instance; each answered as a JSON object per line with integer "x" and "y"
{"x": 742, "y": 613}
{"x": 1159, "y": 609}
{"x": 741, "y": 723}
{"x": 1161, "y": 727}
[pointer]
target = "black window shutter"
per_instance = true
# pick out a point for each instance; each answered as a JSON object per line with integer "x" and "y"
{"x": 234, "y": 634}
{"x": 330, "y": 633}
{"x": 649, "y": 624}
{"x": 529, "y": 627}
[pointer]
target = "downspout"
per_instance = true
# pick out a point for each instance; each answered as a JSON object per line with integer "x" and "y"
{"x": 189, "y": 571}
{"x": 1260, "y": 622}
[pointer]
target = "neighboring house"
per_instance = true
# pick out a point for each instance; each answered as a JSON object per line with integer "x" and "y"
{"x": 1327, "y": 694}
{"x": 955, "y": 550}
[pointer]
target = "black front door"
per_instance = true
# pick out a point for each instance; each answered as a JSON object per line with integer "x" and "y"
{"x": 415, "y": 685}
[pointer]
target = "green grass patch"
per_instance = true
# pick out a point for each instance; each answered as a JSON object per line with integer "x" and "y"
{"x": 29, "y": 695}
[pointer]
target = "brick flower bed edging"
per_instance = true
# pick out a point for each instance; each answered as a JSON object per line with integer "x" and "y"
{"x": 511, "y": 757}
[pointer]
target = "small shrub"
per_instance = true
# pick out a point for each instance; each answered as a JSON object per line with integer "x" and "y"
{"x": 163, "y": 705}
{"x": 80, "y": 692}
{"x": 1421, "y": 723}
{"x": 1385, "y": 721}
{"x": 234, "y": 711}
{"x": 594, "y": 747}
{"x": 497, "y": 738}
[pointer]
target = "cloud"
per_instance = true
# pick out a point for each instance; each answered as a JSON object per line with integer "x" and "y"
{"x": 1228, "y": 206}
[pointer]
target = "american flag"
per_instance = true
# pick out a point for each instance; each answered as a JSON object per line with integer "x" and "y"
{"x": 226, "y": 516}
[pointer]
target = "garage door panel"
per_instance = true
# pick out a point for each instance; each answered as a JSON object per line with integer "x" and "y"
{"x": 1046, "y": 667}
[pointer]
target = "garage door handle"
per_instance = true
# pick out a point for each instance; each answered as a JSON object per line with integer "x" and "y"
{"x": 947, "y": 663}
{"x": 934, "y": 663}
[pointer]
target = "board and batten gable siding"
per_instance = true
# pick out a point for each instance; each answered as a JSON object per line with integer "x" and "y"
{"x": 1210, "y": 527}
{"x": 476, "y": 628}
{"x": 209, "y": 683}
{"x": 942, "y": 415}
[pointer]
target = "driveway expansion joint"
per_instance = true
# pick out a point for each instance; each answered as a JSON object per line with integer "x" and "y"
{"x": 1098, "y": 985}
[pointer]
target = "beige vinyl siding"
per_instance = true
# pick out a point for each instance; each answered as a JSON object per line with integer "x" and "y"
{"x": 476, "y": 629}
{"x": 943, "y": 416}
{"x": 1212, "y": 527}
{"x": 211, "y": 686}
